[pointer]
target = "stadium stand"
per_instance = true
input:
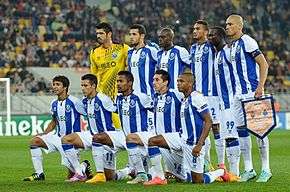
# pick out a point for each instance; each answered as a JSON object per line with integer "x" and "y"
{"x": 59, "y": 34}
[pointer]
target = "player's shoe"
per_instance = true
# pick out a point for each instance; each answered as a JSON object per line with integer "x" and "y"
{"x": 220, "y": 166}
{"x": 35, "y": 177}
{"x": 70, "y": 174}
{"x": 88, "y": 170}
{"x": 125, "y": 174}
{"x": 248, "y": 175}
{"x": 155, "y": 181}
{"x": 264, "y": 177}
{"x": 229, "y": 177}
{"x": 98, "y": 178}
{"x": 140, "y": 178}
{"x": 77, "y": 178}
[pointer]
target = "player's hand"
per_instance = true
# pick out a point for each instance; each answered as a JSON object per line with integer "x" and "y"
{"x": 259, "y": 91}
{"x": 196, "y": 150}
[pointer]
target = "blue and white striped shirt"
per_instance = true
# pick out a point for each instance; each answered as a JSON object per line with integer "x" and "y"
{"x": 67, "y": 114}
{"x": 202, "y": 61}
{"x": 192, "y": 109}
{"x": 167, "y": 111}
{"x": 225, "y": 77}
{"x": 99, "y": 112}
{"x": 142, "y": 64}
{"x": 133, "y": 111}
{"x": 173, "y": 61}
{"x": 242, "y": 56}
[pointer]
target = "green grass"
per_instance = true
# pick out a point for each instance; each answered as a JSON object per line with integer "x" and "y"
{"x": 15, "y": 163}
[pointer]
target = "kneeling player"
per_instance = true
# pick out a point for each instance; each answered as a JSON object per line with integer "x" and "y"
{"x": 66, "y": 111}
{"x": 167, "y": 104}
{"x": 99, "y": 110}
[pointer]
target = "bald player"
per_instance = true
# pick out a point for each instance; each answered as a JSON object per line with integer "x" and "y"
{"x": 171, "y": 58}
{"x": 250, "y": 71}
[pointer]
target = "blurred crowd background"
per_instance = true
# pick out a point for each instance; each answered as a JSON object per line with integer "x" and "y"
{"x": 60, "y": 34}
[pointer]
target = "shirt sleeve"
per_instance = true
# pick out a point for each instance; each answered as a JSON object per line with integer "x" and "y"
{"x": 200, "y": 102}
{"x": 178, "y": 94}
{"x": 251, "y": 44}
{"x": 154, "y": 53}
{"x": 80, "y": 107}
{"x": 93, "y": 67}
{"x": 108, "y": 103}
{"x": 184, "y": 56}
{"x": 146, "y": 101}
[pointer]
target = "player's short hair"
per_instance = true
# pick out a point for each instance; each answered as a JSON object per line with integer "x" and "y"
{"x": 105, "y": 26}
{"x": 128, "y": 75}
{"x": 141, "y": 28}
{"x": 92, "y": 78}
{"x": 202, "y": 22}
{"x": 187, "y": 72}
{"x": 164, "y": 75}
{"x": 63, "y": 79}
{"x": 220, "y": 31}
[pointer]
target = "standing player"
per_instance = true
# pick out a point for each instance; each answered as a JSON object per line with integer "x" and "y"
{"x": 167, "y": 104}
{"x": 133, "y": 110}
{"x": 226, "y": 87}
{"x": 250, "y": 70}
{"x": 106, "y": 61}
{"x": 195, "y": 125}
{"x": 142, "y": 61}
{"x": 99, "y": 108}
{"x": 202, "y": 56}
{"x": 66, "y": 111}
{"x": 171, "y": 58}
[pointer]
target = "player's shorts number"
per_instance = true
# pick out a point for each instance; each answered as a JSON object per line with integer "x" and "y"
{"x": 230, "y": 125}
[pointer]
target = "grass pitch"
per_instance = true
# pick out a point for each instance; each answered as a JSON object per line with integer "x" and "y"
{"x": 15, "y": 163}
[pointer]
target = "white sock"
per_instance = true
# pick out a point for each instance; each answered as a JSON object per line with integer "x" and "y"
{"x": 264, "y": 153}
{"x": 233, "y": 155}
{"x": 210, "y": 177}
{"x": 155, "y": 158}
{"x": 246, "y": 151}
{"x": 207, "y": 145}
{"x": 98, "y": 152}
{"x": 220, "y": 148}
{"x": 71, "y": 155}
{"x": 135, "y": 156}
{"x": 67, "y": 164}
{"x": 36, "y": 156}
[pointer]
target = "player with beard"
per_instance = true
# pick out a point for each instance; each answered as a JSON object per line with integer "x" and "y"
{"x": 107, "y": 60}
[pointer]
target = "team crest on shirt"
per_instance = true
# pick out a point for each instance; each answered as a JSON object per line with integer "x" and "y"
{"x": 97, "y": 107}
{"x": 142, "y": 55}
{"x": 205, "y": 49}
{"x": 132, "y": 103}
{"x": 67, "y": 108}
{"x": 168, "y": 99}
{"x": 171, "y": 56}
{"x": 114, "y": 55}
